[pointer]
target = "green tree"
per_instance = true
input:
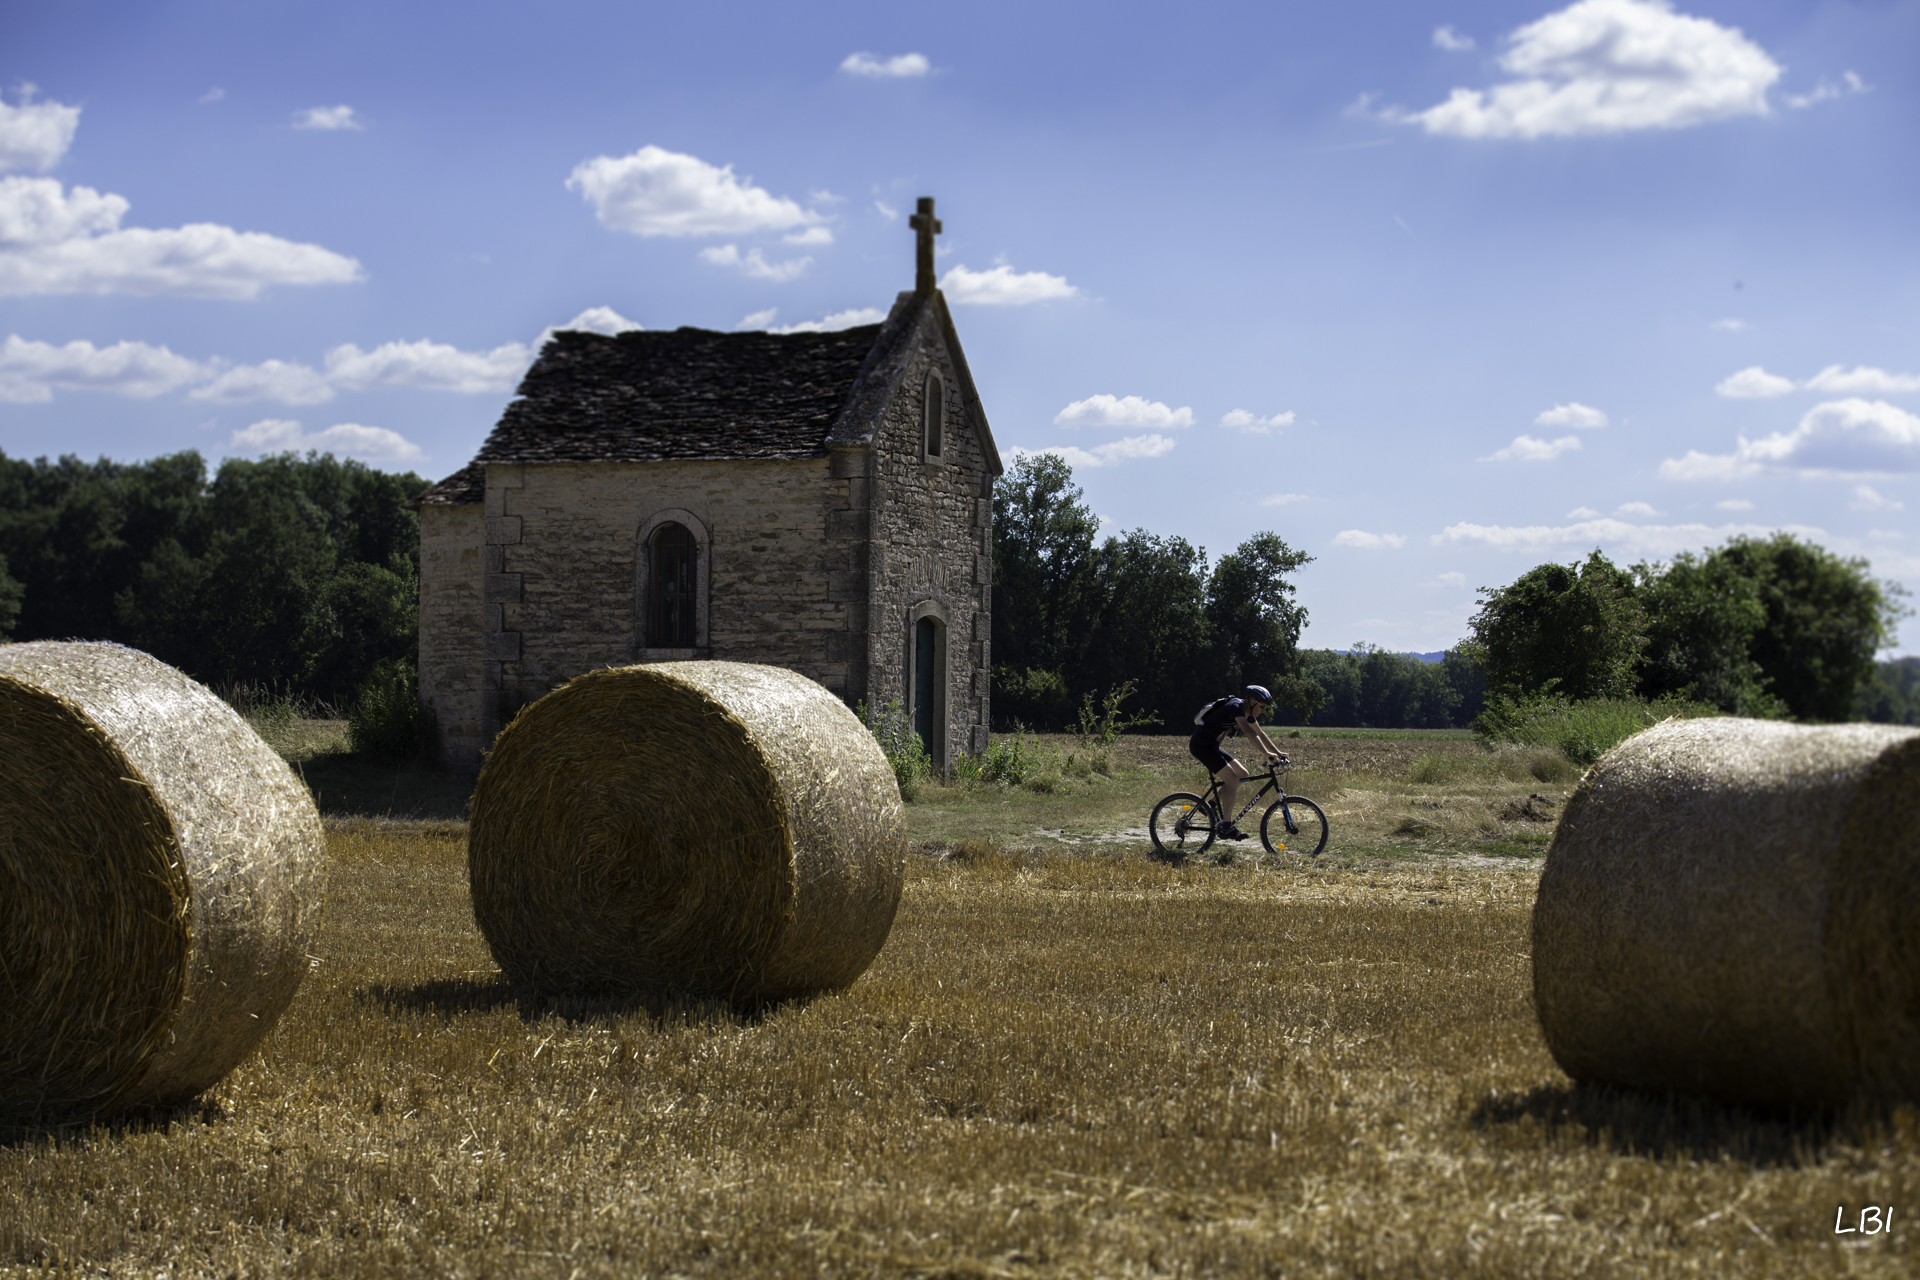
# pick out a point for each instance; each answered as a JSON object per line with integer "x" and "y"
{"x": 1043, "y": 590}
{"x": 1151, "y": 627}
{"x": 300, "y": 573}
{"x": 10, "y": 594}
{"x": 1703, "y": 618}
{"x": 1893, "y": 695}
{"x": 1368, "y": 687}
{"x": 1826, "y": 618}
{"x": 1579, "y": 631}
{"x": 1256, "y": 622}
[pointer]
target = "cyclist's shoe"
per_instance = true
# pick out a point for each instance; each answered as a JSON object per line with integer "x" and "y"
{"x": 1230, "y": 832}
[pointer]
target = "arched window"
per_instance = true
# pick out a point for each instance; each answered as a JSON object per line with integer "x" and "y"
{"x": 672, "y": 613}
{"x": 933, "y": 412}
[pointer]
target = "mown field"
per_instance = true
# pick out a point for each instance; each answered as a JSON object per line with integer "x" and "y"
{"x": 1068, "y": 1060}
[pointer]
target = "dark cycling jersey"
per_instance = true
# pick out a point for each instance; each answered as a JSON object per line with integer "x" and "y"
{"x": 1221, "y": 715}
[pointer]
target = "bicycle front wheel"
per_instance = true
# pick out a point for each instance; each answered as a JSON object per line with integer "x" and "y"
{"x": 1181, "y": 826}
{"x": 1294, "y": 825}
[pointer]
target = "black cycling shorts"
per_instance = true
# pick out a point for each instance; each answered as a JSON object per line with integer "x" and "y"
{"x": 1205, "y": 747}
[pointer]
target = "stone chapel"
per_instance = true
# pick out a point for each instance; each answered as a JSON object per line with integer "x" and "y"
{"x": 817, "y": 501}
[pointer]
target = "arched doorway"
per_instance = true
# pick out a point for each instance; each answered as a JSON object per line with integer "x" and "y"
{"x": 926, "y": 679}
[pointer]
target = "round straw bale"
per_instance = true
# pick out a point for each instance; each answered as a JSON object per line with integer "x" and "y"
{"x": 1732, "y": 908}
{"x": 160, "y": 882}
{"x": 693, "y": 829}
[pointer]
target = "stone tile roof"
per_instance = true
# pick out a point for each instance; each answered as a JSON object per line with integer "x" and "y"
{"x": 654, "y": 395}
{"x": 466, "y": 486}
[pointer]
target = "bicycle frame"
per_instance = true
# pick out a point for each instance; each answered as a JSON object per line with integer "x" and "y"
{"x": 1272, "y": 783}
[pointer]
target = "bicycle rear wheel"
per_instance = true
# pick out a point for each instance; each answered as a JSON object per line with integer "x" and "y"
{"x": 1294, "y": 825}
{"x": 1181, "y": 826}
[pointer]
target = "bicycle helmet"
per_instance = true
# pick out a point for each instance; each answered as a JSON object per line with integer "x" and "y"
{"x": 1257, "y": 692}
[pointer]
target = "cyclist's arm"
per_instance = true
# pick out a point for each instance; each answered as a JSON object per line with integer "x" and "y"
{"x": 1258, "y": 735}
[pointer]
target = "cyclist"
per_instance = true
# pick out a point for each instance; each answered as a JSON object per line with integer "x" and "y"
{"x": 1213, "y": 724}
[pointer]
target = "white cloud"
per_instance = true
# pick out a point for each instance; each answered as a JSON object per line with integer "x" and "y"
{"x": 429, "y": 366}
{"x": 601, "y": 320}
{"x": 1733, "y": 504}
{"x": 1607, "y": 66}
{"x": 1450, "y": 40}
{"x": 1282, "y": 499}
{"x": 830, "y": 324}
{"x": 30, "y": 371}
{"x": 1826, "y": 91}
{"x": 1730, "y": 325}
{"x": 213, "y": 95}
{"x": 656, "y": 192}
{"x": 348, "y": 439}
{"x": 1253, "y": 424}
{"x": 55, "y": 240}
{"x": 1530, "y": 449}
{"x": 1694, "y": 465}
{"x": 758, "y": 319}
{"x": 326, "y": 118}
{"x": 1369, "y": 541}
{"x": 1838, "y": 437}
{"x": 1642, "y": 509}
{"x": 899, "y": 67}
{"x": 1454, "y": 579}
{"x": 1572, "y": 415}
{"x": 1861, "y": 379}
{"x": 754, "y": 264}
{"x": 268, "y": 380}
{"x": 1866, "y": 498}
{"x": 1632, "y": 539}
{"x": 1106, "y": 455}
{"x": 1004, "y": 287}
{"x": 1753, "y": 383}
{"x": 812, "y": 235}
{"x": 34, "y": 135}
{"x": 1582, "y": 513}
{"x": 1123, "y": 411}
{"x": 886, "y": 210}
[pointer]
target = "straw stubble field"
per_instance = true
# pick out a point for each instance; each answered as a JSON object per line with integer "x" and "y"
{"x": 1066, "y": 1061}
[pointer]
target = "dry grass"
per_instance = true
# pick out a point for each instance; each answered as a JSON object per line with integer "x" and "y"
{"x": 1059, "y": 1065}
{"x": 1386, "y": 799}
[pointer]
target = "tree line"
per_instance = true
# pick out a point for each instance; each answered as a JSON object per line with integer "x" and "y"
{"x": 1075, "y": 616}
{"x": 301, "y": 576}
{"x": 1771, "y": 627}
{"x": 291, "y": 575}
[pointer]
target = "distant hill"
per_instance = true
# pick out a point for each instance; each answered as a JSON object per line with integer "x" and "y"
{"x": 1424, "y": 657}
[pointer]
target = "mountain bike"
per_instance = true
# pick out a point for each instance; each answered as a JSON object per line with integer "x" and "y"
{"x": 1183, "y": 825}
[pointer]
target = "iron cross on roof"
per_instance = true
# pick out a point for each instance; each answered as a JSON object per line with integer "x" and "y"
{"x": 928, "y": 227}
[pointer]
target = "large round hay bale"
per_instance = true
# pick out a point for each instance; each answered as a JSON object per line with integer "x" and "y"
{"x": 1732, "y": 908}
{"x": 160, "y": 880}
{"x": 706, "y": 829}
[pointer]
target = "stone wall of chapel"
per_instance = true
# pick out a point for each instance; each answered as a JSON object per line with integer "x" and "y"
{"x": 450, "y": 654}
{"x": 931, "y": 541}
{"x": 563, "y": 567}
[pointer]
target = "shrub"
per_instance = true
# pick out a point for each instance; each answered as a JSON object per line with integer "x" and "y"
{"x": 900, "y": 744}
{"x": 387, "y": 718}
{"x": 1583, "y": 730}
{"x": 1011, "y": 761}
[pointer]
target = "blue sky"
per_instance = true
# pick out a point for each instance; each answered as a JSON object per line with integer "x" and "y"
{"x": 1436, "y": 291}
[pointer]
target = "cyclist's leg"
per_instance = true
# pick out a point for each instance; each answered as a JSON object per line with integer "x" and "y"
{"x": 1230, "y": 780}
